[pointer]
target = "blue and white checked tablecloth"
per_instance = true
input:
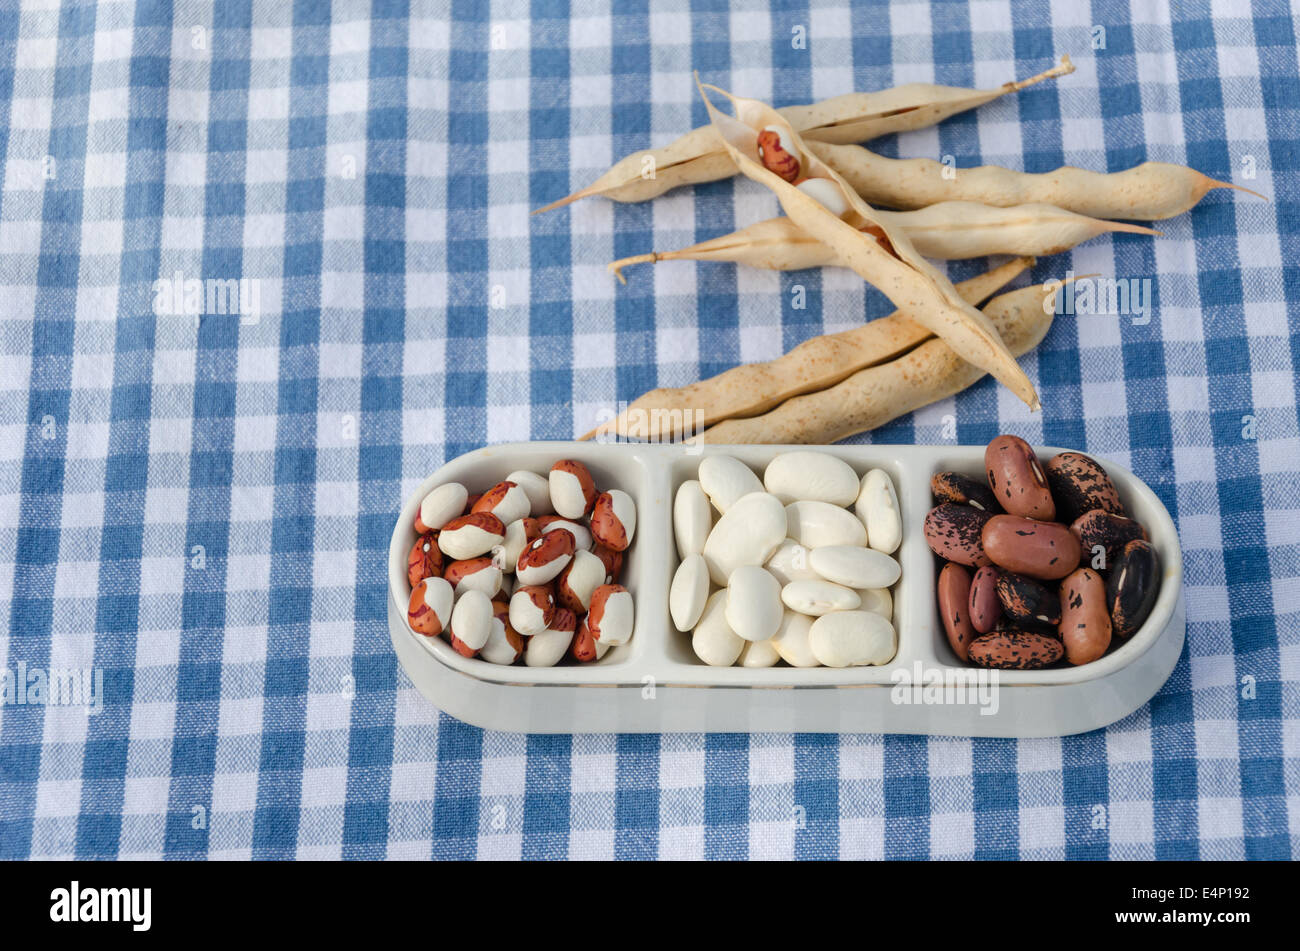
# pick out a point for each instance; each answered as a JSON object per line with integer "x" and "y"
{"x": 200, "y": 506}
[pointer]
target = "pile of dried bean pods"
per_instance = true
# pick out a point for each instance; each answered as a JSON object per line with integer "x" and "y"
{"x": 529, "y": 569}
{"x": 1060, "y": 569}
{"x": 828, "y": 187}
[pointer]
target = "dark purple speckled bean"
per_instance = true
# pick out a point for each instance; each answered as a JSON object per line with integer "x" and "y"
{"x": 953, "y": 533}
{"x": 1132, "y": 587}
{"x": 1105, "y": 530}
{"x": 1079, "y": 484}
{"x": 1028, "y": 603}
{"x": 955, "y": 487}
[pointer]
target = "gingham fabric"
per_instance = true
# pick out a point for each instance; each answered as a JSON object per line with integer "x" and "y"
{"x": 199, "y": 505}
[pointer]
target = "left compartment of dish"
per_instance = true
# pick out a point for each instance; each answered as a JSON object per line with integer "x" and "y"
{"x": 627, "y": 469}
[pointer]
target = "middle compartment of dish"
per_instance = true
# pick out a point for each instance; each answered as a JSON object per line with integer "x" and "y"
{"x": 916, "y": 637}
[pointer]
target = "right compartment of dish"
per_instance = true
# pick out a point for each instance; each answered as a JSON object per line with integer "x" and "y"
{"x": 1101, "y": 556}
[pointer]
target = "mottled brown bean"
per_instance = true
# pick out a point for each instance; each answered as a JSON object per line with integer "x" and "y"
{"x": 985, "y": 605}
{"x": 1045, "y": 550}
{"x": 1017, "y": 479}
{"x": 954, "y": 607}
{"x": 1016, "y": 650}
{"x": 1085, "y": 623}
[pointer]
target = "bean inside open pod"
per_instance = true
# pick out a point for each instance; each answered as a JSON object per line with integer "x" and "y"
{"x": 879, "y": 253}
{"x": 854, "y": 117}
{"x": 948, "y": 231}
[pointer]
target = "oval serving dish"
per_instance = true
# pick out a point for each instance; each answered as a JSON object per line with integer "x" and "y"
{"x": 655, "y": 683}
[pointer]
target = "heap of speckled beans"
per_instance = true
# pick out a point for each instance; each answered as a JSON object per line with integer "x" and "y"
{"x": 527, "y": 570}
{"x": 1040, "y": 563}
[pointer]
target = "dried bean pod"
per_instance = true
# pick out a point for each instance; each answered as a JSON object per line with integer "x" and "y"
{"x": 898, "y": 271}
{"x": 1149, "y": 192}
{"x": 949, "y": 231}
{"x": 815, "y": 364}
{"x": 856, "y": 117}
{"x": 875, "y": 395}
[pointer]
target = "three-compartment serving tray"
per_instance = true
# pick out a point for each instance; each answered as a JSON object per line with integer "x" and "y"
{"x": 655, "y": 683}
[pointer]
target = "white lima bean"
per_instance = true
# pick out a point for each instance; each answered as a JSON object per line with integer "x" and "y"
{"x": 816, "y": 598}
{"x": 790, "y": 563}
{"x": 852, "y": 639}
{"x": 689, "y": 592}
{"x": 814, "y": 524}
{"x": 811, "y": 476}
{"x": 747, "y": 534}
{"x": 877, "y": 601}
{"x": 854, "y": 567}
{"x": 692, "y": 518}
{"x": 877, "y": 507}
{"x": 713, "y": 640}
{"x": 791, "y": 640}
{"x": 753, "y": 603}
{"x": 725, "y": 479}
{"x": 756, "y": 654}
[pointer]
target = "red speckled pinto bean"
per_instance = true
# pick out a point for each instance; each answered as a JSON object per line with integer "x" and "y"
{"x": 1045, "y": 550}
{"x": 1017, "y": 480}
{"x": 1085, "y": 622}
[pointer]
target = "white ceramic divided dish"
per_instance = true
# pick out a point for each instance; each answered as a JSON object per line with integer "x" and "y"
{"x": 656, "y": 684}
